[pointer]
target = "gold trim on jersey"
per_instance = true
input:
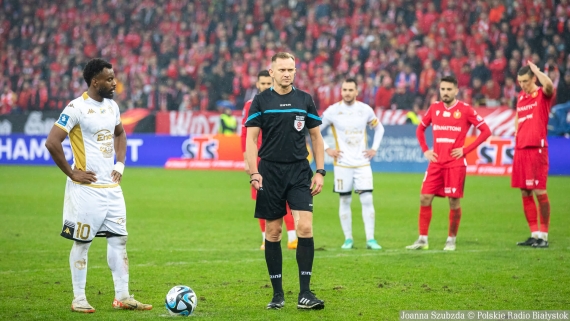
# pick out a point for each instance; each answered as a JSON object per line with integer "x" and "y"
{"x": 78, "y": 147}
{"x": 85, "y": 96}
{"x": 96, "y": 185}
{"x": 335, "y": 141}
{"x": 373, "y": 123}
{"x": 65, "y": 129}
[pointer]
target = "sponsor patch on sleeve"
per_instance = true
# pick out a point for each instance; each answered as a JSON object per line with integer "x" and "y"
{"x": 63, "y": 120}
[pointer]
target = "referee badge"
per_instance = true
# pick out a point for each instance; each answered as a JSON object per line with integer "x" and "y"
{"x": 299, "y": 123}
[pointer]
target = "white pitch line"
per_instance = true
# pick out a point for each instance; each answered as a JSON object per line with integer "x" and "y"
{"x": 340, "y": 253}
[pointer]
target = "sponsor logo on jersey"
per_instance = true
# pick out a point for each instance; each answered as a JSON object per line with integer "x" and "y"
{"x": 63, "y": 120}
{"x": 457, "y": 114}
{"x": 445, "y": 140}
{"x": 479, "y": 118}
{"x": 447, "y": 128}
{"x": 285, "y": 105}
{"x": 527, "y": 107}
{"x": 446, "y": 114}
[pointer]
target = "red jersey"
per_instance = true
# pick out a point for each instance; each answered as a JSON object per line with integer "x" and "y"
{"x": 532, "y": 114}
{"x": 450, "y": 126}
{"x": 244, "y": 129}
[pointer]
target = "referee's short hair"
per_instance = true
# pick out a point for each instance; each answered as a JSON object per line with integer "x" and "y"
{"x": 282, "y": 55}
{"x": 263, "y": 73}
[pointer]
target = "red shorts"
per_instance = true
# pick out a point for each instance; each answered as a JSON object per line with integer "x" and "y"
{"x": 442, "y": 182}
{"x": 530, "y": 168}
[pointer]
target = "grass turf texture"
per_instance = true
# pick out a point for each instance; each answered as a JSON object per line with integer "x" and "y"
{"x": 197, "y": 229}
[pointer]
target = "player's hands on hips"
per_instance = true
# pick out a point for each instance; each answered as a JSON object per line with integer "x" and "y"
{"x": 369, "y": 153}
{"x": 334, "y": 153}
{"x": 457, "y": 152}
{"x": 83, "y": 177}
{"x": 116, "y": 176}
{"x": 431, "y": 156}
{"x": 534, "y": 68}
{"x": 256, "y": 180}
{"x": 317, "y": 184}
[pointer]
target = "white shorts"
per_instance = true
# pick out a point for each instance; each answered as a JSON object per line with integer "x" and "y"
{"x": 90, "y": 212}
{"x": 357, "y": 178}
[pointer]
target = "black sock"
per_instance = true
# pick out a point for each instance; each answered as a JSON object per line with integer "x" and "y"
{"x": 305, "y": 255}
{"x": 274, "y": 260}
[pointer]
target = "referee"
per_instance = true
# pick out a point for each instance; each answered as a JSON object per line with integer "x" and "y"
{"x": 284, "y": 113}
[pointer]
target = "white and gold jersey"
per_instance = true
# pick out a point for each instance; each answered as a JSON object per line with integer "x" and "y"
{"x": 91, "y": 126}
{"x": 348, "y": 124}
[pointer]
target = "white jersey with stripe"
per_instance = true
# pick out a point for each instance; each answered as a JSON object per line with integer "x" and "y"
{"x": 348, "y": 125}
{"x": 91, "y": 125}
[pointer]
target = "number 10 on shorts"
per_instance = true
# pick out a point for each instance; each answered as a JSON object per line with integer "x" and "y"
{"x": 83, "y": 231}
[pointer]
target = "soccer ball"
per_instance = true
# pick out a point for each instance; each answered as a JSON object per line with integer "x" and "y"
{"x": 181, "y": 300}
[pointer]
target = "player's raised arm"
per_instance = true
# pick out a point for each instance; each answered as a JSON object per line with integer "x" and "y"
{"x": 545, "y": 81}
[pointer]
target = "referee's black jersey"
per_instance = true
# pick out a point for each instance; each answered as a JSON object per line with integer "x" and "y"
{"x": 283, "y": 119}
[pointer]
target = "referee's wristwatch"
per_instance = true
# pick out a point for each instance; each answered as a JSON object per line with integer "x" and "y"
{"x": 322, "y": 172}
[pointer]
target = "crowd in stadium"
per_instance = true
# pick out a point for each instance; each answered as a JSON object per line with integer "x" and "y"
{"x": 200, "y": 55}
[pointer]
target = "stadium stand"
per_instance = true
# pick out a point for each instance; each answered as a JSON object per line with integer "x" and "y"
{"x": 197, "y": 55}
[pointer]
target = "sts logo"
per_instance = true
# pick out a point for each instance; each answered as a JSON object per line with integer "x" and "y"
{"x": 496, "y": 151}
{"x": 200, "y": 148}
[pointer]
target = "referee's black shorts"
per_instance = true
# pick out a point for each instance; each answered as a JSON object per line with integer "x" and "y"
{"x": 283, "y": 183}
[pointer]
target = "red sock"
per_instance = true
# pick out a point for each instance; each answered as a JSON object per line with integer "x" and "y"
{"x": 289, "y": 221}
{"x": 262, "y": 225}
{"x": 454, "y": 219}
{"x": 544, "y": 208}
{"x": 530, "y": 212}
{"x": 425, "y": 219}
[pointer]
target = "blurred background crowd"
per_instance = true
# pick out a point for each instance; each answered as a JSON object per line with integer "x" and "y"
{"x": 203, "y": 55}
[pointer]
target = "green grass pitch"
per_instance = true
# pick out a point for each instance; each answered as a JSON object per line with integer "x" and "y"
{"x": 197, "y": 228}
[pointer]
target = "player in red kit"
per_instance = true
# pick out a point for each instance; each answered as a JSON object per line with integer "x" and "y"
{"x": 445, "y": 175}
{"x": 530, "y": 163}
{"x": 264, "y": 81}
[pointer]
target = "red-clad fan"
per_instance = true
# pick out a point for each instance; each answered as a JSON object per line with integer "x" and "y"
{"x": 264, "y": 82}
{"x": 445, "y": 176}
{"x": 530, "y": 163}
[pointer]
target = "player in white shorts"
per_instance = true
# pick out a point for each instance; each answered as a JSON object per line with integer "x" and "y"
{"x": 93, "y": 202}
{"x": 348, "y": 120}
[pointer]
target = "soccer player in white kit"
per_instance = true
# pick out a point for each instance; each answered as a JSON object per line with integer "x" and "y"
{"x": 348, "y": 120}
{"x": 93, "y": 202}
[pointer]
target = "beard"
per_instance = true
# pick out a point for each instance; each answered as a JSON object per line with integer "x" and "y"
{"x": 105, "y": 93}
{"x": 348, "y": 102}
{"x": 447, "y": 100}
